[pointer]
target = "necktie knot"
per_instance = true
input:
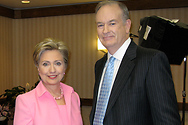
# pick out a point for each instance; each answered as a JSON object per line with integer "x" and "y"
{"x": 110, "y": 67}
{"x": 111, "y": 61}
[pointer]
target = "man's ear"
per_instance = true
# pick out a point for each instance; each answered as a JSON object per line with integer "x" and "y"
{"x": 128, "y": 25}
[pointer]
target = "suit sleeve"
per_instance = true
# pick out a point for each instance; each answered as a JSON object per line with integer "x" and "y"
{"x": 22, "y": 114}
{"x": 161, "y": 92}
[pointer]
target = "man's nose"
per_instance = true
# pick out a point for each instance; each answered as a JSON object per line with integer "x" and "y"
{"x": 106, "y": 29}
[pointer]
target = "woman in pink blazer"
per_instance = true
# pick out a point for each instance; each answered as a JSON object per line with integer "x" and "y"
{"x": 51, "y": 102}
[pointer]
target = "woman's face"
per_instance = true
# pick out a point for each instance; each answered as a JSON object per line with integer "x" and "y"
{"x": 51, "y": 67}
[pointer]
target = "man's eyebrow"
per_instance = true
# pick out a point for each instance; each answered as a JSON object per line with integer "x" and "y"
{"x": 98, "y": 22}
{"x": 113, "y": 20}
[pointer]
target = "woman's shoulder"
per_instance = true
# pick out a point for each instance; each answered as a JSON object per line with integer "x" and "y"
{"x": 28, "y": 95}
{"x": 67, "y": 87}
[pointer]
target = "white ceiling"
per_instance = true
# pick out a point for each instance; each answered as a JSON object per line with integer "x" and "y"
{"x": 16, "y": 4}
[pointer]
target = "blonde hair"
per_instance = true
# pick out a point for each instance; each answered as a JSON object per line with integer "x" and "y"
{"x": 50, "y": 44}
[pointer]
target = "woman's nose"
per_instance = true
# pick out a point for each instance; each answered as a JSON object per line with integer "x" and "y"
{"x": 52, "y": 68}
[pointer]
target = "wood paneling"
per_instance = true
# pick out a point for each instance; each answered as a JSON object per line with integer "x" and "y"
{"x": 77, "y": 31}
{"x": 6, "y": 12}
{"x": 57, "y": 11}
{"x": 6, "y": 50}
{"x": 89, "y": 8}
{"x": 154, "y": 4}
{"x": 89, "y": 102}
{"x": 19, "y": 36}
{"x": 86, "y": 101}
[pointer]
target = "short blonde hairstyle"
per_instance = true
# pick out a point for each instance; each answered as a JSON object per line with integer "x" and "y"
{"x": 50, "y": 44}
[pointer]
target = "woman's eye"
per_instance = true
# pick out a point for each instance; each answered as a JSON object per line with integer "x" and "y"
{"x": 58, "y": 63}
{"x": 45, "y": 64}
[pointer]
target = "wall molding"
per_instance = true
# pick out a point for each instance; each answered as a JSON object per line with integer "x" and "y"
{"x": 88, "y": 102}
{"x": 87, "y": 8}
{"x": 6, "y": 12}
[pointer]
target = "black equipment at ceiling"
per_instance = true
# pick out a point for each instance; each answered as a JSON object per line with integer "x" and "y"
{"x": 162, "y": 34}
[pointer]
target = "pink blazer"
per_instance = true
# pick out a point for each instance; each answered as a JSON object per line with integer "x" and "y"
{"x": 38, "y": 107}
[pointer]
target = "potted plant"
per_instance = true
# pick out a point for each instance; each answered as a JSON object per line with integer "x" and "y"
{"x": 4, "y": 114}
{"x": 8, "y": 99}
{"x": 8, "y": 103}
{"x": 11, "y": 94}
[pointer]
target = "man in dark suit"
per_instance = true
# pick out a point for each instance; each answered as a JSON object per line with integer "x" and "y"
{"x": 142, "y": 90}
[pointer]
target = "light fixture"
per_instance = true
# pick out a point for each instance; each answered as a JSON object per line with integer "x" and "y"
{"x": 25, "y": 1}
{"x": 100, "y": 46}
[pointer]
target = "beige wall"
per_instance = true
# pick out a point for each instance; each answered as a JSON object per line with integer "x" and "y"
{"x": 19, "y": 36}
{"x": 78, "y": 31}
{"x": 6, "y": 57}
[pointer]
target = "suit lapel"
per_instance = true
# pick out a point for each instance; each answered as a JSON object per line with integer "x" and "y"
{"x": 98, "y": 74}
{"x": 99, "y": 70}
{"x": 123, "y": 74}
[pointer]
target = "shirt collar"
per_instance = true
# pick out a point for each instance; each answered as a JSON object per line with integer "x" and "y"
{"x": 41, "y": 89}
{"x": 121, "y": 51}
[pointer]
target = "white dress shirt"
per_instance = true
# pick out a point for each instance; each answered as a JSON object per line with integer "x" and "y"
{"x": 119, "y": 56}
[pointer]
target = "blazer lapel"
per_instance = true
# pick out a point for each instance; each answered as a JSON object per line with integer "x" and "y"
{"x": 123, "y": 74}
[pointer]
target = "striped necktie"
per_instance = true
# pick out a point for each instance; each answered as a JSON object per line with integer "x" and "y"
{"x": 104, "y": 93}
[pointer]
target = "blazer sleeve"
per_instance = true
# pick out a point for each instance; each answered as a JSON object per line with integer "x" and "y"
{"x": 161, "y": 92}
{"x": 22, "y": 114}
{"x": 76, "y": 118}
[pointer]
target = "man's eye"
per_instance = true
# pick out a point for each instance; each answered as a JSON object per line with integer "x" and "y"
{"x": 112, "y": 24}
{"x": 45, "y": 64}
{"x": 58, "y": 63}
{"x": 99, "y": 25}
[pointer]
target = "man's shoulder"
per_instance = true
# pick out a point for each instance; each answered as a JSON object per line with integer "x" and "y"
{"x": 102, "y": 60}
{"x": 147, "y": 51}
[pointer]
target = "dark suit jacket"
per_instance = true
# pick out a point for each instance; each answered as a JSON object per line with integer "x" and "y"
{"x": 143, "y": 91}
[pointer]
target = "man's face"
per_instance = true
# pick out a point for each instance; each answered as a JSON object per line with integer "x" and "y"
{"x": 112, "y": 31}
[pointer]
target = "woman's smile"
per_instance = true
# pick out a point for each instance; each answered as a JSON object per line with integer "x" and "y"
{"x": 52, "y": 76}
